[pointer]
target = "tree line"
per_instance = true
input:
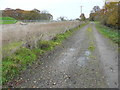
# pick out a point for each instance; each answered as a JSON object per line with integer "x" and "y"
{"x": 20, "y": 14}
{"x": 108, "y": 15}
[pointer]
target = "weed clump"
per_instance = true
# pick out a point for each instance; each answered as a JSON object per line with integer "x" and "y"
{"x": 60, "y": 37}
{"x": 91, "y": 46}
{"x": 47, "y": 45}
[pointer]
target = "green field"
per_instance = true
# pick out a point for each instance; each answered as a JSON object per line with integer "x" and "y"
{"x": 7, "y": 20}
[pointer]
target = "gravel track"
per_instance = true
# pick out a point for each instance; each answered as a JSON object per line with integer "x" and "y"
{"x": 85, "y": 60}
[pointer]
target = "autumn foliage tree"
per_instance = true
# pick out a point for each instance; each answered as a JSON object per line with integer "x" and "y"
{"x": 19, "y": 14}
{"x": 108, "y": 15}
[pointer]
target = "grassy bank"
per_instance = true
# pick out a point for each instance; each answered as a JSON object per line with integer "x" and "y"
{"x": 7, "y": 20}
{"x": 108, "y": 32}
{"x": 23, "y": 57}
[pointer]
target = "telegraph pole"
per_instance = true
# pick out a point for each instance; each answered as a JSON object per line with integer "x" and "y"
{"x": 81, "y": 9}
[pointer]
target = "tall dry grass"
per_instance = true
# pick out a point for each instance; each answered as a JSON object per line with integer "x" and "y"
{"x": 16, "y": 32}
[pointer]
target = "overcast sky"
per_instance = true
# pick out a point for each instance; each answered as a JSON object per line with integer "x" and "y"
{"x": 68, "y": 8}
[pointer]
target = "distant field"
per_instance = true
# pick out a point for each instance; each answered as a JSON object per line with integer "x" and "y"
{"x": 7, "y": 20}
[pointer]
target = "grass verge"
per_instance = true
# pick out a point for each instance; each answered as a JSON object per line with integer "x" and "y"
{"x": 23, "y": 57}
{"x": 108, "y": 32}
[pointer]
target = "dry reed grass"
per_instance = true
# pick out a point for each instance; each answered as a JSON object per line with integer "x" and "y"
{"x": 16, "y": 32}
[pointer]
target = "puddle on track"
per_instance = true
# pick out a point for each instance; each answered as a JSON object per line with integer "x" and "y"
{"x": 87, "y": 53}
{"x": 82, "y": 61}
{"x": 71, "y": 49}
{"x": 66, "y": 55}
